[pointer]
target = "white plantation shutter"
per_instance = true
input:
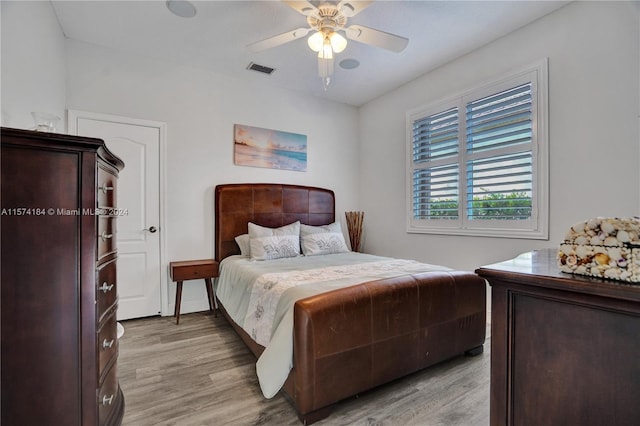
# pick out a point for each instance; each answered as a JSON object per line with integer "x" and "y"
{"x": 500, "y": 120}
{"x": 499, "y": 187}
{"x": 436, "y": 180}
{"x": 435, "y": 192}
{"x": 436, "y": 137}
{"x": 477, "y": 163}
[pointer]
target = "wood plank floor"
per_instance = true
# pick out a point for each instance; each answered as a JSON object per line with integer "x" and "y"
{"x": 201, "y": 373}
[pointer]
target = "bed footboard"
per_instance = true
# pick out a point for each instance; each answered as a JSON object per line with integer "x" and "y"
{"x": 353, "y": 339}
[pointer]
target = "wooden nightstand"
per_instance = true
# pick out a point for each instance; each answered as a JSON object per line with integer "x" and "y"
{"x": 191, "y": 270}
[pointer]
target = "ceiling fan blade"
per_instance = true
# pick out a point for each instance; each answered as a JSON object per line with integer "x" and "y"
{"x": 303, "y": 7}
{"x": 274, "y": 41}
{"x": 377, "y": 38}
{"x": 353, "y": 7}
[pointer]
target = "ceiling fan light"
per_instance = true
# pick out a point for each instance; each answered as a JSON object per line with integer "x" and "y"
{"x": 316, "y": 41}
{"x": 338, "y": 43}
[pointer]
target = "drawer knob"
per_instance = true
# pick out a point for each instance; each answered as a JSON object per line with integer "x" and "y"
{"x": 104, "y": 188}
{"x": 107, "y": 401}
{"x": 107, "y": 344}
{"x": 105, "y": 236}
{"x": 105, "y": 288}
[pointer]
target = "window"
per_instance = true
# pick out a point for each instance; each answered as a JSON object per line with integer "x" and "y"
{"x": 477, "y": 162}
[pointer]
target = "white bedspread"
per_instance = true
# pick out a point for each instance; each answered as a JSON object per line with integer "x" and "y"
{"x": 259, "y": 296}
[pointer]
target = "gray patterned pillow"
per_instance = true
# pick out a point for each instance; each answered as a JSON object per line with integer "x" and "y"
{"x": 274, "y": 243}
{"x": 275, "y": 247}
{"x": 325, "y": 239}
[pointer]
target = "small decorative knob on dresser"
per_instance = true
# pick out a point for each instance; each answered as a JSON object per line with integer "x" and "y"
{"x": 107, "y": 344}
{"x": 105, "y": 288}
{"x": 104, "y": 188}
{"x": 107, "y": 401}
{"x": 104, "y": 236}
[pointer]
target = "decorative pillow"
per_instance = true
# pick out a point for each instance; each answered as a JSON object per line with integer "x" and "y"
{"x": 275, "y": 247}
{"x": 244, "y": 244}
{"x": 256, "y": 231}
{"x": 274, "y": 243}
{"x": 325, "y": 239}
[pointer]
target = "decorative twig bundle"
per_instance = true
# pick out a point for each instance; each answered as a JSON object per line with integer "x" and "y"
{"x": 354, "y": 225}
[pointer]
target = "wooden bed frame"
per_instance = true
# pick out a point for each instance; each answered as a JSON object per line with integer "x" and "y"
{"x": 350, "y": 340}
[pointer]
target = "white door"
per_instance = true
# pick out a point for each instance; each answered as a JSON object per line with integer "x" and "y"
{"x": 138, "y": 230}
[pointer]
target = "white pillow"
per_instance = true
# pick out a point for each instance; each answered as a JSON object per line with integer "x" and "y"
{"x": 262, "y": 231}
{"x": 274, "y": 243}
{"x": 244, "y": 244}
{"x": 275, "y": 247}
{"x": 325, "y": 239}
{"x": 308, "y": 229}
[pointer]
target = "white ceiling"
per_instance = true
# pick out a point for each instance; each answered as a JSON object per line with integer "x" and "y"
{"x": 216, "y": 38}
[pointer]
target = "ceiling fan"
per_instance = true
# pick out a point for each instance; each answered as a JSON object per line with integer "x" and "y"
{"x": 326, "y": 21}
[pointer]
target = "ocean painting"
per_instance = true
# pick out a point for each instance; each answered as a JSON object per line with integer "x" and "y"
{"x": 274, "y": 149}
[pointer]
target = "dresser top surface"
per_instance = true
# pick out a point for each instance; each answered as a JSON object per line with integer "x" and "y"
{"x": 539, "y": 268}
{"x": 27, "y": 138}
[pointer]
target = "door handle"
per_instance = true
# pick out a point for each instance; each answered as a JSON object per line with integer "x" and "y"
{"x": 151, "y": 229}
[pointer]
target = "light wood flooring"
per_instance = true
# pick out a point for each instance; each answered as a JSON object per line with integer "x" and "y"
{"x": 201, "y": 373}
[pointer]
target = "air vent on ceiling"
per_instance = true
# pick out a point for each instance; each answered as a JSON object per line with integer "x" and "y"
{"x": 260, "y": 68}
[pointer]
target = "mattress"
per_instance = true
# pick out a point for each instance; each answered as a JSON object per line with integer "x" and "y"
{"x": 259, "y": 296}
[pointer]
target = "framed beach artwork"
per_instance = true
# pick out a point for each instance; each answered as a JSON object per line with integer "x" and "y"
{"x": 274, "y": 149}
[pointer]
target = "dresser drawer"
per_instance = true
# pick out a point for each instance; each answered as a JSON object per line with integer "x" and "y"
{"x": 106, "y": 188}
{"x": 106, "y": 236}
{"x": 107, "y": 344}
{"x": 106, "y": 288}
{"x": 108, "y": 395}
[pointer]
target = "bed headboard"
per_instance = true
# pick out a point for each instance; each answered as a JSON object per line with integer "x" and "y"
{"x": 266, "y": 204}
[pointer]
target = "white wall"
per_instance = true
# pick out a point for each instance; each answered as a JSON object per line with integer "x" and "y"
{"x": 200, "y": 109}
{"x": 41, "y": 71}
{"x": 33, "y": 69}
{"x": 593, "y": 50}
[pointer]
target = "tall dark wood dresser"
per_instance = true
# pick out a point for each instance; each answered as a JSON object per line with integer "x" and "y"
{"x": 58, "y": 276}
